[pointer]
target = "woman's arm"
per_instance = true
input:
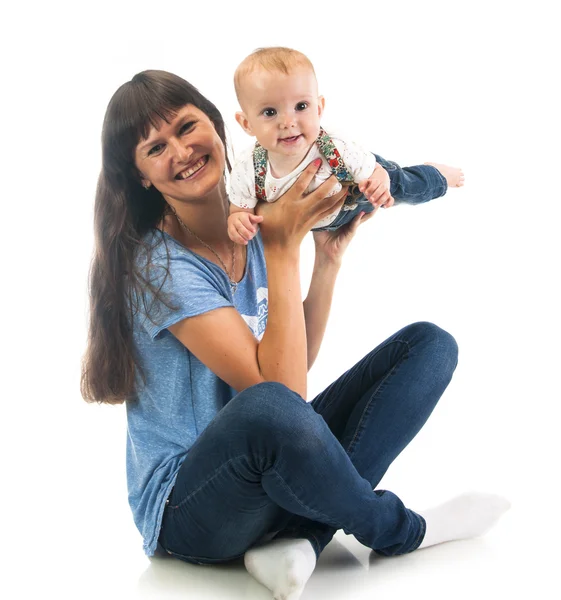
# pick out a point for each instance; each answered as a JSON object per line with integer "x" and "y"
{"x": 317, "y": 304}
{"x": 221, "y": 339}
{"x": 330, "y": 247}
{"x": 282, "y": 353}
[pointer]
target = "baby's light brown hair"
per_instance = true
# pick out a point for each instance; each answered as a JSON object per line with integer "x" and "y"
{"x": 274, "y": 58}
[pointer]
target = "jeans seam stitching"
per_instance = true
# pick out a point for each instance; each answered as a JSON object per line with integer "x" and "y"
{"x": 215, "y": 474}
{"x": 297, "y": 499}
{"x": 197, "y": 559}
{"x": 354, "y": 440}
{"x": 376, "y": 354}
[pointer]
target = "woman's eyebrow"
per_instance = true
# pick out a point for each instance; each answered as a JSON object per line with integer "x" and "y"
{"x": 153, "y": 137}
{"x": 150, "y": 140}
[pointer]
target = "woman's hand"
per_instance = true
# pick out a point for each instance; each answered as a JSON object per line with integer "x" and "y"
{"x": 331, "y": 245}
{"x": 286, "y": 221}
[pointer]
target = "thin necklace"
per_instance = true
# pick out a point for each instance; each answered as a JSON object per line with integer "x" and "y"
{"x": 233, "y": 284}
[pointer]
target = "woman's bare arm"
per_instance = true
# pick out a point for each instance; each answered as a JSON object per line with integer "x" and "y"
{"x": 330, "y": 247}
{"x": 221, "y": 338}
{"x": 317, "y": 305}
{"x": 222, "y": 341}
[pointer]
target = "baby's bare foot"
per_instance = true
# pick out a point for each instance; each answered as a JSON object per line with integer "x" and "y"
{"x": 454, "y": 177}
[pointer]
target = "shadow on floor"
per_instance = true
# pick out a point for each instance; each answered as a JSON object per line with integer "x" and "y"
{"x": 169, "y": 578}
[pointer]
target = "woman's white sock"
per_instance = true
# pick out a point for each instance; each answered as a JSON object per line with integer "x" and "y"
{"x": 284, "y": 566}
{"x": 466, "y": 516}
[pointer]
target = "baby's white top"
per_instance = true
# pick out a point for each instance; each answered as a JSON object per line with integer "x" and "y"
{"x": 360, "y": 162}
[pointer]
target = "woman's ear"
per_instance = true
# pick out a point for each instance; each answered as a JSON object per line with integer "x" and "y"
{"x": 145, "y": 183}
{"x": 244, "y": 123}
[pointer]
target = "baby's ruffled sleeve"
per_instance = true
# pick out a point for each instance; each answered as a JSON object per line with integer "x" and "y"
{"x": 242, "y": 184}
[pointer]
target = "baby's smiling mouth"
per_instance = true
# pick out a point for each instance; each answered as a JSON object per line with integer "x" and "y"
{"x": 186, "y": 173}
{"x": 288, "y": 140}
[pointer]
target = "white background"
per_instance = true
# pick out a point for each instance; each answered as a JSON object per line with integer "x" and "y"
{"x": 470, "y": 84}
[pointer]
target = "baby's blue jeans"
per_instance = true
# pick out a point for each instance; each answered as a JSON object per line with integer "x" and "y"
{"x": 408, "y": 185}
{"x": 271, "y": 463}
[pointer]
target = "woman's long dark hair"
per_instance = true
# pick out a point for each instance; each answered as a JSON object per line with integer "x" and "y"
{"x": 124, "y": 213}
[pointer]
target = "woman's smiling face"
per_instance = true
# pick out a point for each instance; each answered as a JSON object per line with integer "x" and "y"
{"x": 183, "y": 159}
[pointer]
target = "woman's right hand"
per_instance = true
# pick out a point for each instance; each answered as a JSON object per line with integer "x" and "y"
{"x": 287, "y": 220}
{"x": 239, "y": 358}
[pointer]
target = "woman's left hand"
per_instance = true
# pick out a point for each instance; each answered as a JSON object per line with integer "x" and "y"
{"x": 331, "y": 245}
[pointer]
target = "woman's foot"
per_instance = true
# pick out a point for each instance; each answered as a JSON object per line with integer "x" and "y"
{"x": 454, "y": 177}
{"x": 284, "y": 566}
{"x": 466, "y": 516}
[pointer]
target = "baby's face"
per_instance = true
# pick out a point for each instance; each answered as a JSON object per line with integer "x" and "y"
{"x": 282, "y": 111}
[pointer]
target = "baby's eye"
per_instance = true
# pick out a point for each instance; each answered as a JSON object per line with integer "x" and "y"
{"x": 302, "y": 106}
{"x": 155, "y": 149}
{"x": 270, "y": 112}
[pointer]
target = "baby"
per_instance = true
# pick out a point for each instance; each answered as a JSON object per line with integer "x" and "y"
{"x": 278, "y": 94}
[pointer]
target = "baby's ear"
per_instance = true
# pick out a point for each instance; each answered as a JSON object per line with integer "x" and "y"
{"x": 244, "y": 123}
{"x": 321, "y": 105}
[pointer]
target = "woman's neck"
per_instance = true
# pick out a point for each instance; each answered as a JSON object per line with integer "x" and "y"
{"x": 206, "y": 219}
{"x": 202, "y": 226}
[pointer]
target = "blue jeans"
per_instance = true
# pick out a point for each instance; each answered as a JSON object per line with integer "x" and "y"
{"x": 270, "y": 462}
{"x": 409, "y": 185}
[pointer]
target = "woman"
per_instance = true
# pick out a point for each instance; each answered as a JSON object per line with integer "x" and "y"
{"x": 209, "y": 344}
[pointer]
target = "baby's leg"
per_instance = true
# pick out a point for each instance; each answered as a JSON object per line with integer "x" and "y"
{"x": 420, "y": 183}
{"x": 454, "y": 176}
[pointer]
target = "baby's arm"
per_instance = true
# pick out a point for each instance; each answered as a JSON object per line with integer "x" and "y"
{"x": 242, "y": 224}
{"x": 373, "y": 180}
{"x": 243, "y": 220}
{"x": 376, "y": 188}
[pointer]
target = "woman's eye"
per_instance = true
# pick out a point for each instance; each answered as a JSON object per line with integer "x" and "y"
{"x": 302, "y": 106}
{"x": 269, "y": 112}
{"x": 155, "y": 149}
{"x": 187, "y": 126}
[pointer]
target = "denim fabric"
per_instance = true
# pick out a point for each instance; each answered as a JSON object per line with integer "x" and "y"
{"x": 408, "y": 185}
{"x": 270, "y": 462}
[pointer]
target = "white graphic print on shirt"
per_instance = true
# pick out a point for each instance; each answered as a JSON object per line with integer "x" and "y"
{"x": 257, "y": 324}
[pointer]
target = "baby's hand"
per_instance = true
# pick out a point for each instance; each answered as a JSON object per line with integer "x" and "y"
{"x": 241, "y": 227}
{"x": 376, "y": 188}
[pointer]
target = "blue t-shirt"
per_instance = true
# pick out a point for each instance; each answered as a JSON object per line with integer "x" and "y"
{"x": 181, "y": 395}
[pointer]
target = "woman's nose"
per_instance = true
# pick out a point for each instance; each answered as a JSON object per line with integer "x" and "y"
{"x": 180, "y": 151}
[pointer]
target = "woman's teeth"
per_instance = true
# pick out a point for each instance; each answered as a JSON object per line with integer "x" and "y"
{"x": 191, "y": 170}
